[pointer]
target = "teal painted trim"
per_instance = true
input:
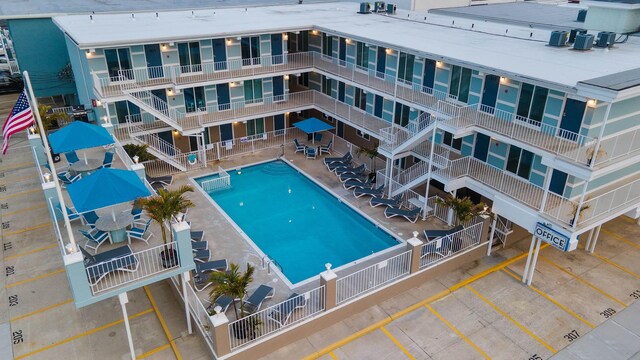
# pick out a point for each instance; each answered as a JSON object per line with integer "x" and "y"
{"x": 476, "y": 85}
{"x": 498, "y": 148}
{"x": 442, "y": 75}
{"x": 469, "y": 139}
{"x": 612, "y": 177}
{"x": 473, "y": 99}
{"x": 136, "y": 49}
{"x": 81, "y": 73}
{"x": 622, "y": 125}
{"x": 495, "y": 161}
{"x": 418, "y": 69}
{"x": 537, "y": 164}
{"x": 370, "y": 99}
{"x": 549, "y": 121}
{"x": 536, "y": 179}
{"x": 265, "y": 44}
{"x": 506, "y": 107}
{"x": 439, "y": 137}
{"x": 624, "y": 107}
{"x": 554, "y": 106}
{"x": 138, "y": 60}
{"x": 508, "y": 94}
{"x": 556, "y": 92}
{"x": 466, "y": 149}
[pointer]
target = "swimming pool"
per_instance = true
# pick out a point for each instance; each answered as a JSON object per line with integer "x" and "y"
{"x": 296, "y": 222}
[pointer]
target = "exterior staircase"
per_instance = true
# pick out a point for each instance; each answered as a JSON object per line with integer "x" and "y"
{"x": 157, "y": 146}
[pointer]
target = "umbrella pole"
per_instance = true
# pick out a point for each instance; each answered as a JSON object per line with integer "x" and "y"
{"x": 85, "y": 158}
{"x": 113, "y": 214}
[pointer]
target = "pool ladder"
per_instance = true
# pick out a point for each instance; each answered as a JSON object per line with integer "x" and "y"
{"x": 267, "y": 262}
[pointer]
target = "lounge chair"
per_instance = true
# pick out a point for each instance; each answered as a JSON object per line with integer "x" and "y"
{"x": 202, "y": 256}
{"x": 140, "y": 232}
{"x": 197, "y": 235}
{"x": 345, "y": 158}
{"x": 359, "y": 192}
{"x": 67, "y": 179}
{"x": 299, "y": 147}
{"x": 108, "y": 159}
{"x": 350, "y": 176}
{"x": 338, "y": 164}
{"x": 350, "y": 170}
{"x": 281, "y": 313}
{"x": 311, "y": 153}
{"x": 393, "y": 202}
{"x": 95, "y": 238}
{"x": 90, "y": 218}
{"x": 100, "y": 265}
{"x": 199, "y": 245}
{"x": 364, "y": 182}
{"x": 434, "y": 234}
{"x": 162, "y": 180}
{"x": 410, "y": 215}
{"x": 71, "y": 157}
{"x": 200, "y": 278}
{"x": 326, "y": 149}
{"x": 71, "y": 213}
{"x": 259, "y": 295}
{"x": 223, "y": 301}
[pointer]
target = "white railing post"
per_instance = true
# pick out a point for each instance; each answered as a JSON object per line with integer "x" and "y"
{"x": 594, "y": 156}
{"x": 328, "y": 279}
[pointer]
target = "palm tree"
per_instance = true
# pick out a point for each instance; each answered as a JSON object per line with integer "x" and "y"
{"x": 232, "y": 283}
{"x": 50, "y": 120}
{"x": 138, "y": 150}
{"x": 164, "y": 206}
{"x": 371, "y": 153}
{"x": 464, "y": 208}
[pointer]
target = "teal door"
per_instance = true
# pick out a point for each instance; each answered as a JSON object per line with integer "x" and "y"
{"x": 490, "y": 93}
{"x": 482, "y": 147}
{"x": 429, "y": 76}
{"x": 154, "y": 61}
{"x": 381, "y": 62}
{"x": 226, "y": 132}
{"x": 222, "y": 91}
{"x": 558, "y": 180}
{"x": 219, "y": 54}
{"x": 572, "y": 119}
{"x": 276, "y": 48}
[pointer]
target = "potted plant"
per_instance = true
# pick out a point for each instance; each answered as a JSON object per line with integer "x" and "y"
{"x": 591, "y": 155}
{"x": 162, "y": 208}
{"x": 464, "y": 208}
{"x": 138, "y": 150}
{"x": 234, "y": 284}
{"x": 371, "y": 153}
{"x": 578, "y": 211}
{"x": 50, "y": 120}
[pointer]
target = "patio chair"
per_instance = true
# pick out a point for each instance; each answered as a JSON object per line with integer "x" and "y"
{"x": 200, "y": 278}
{"x": 223, "y": 301}
{"x": 137, "y": 213}
{"x": 364, "y": 182}
{"x": 359, "y": 192}
{"x": 199, "y": 245}
{"x": 59, "y": 169}
{"x": 197, "y": 235}
{"x": 67, "y": 179}
{"x": 100, "y": 265}
{"x": 326, "y": 149}
{"x": 202, "y": 255}
{"x": 434, "y": 234}
{"x": 350, "y": 170}
{"x": 259, "y": 295}
{"x": 95, "y": 238}
{"x": 71, "y": 157}
{"x": 317, "y": 137}
{"x": 410, "y": 215}
{"x": 345, "y": 158}
{"x": 140, "y": 233}
{"x": 71, "y": 213}
{"x": 108, "y": 159}
{"x": 299, "y": 148}
{"x": 281, "y": 313}
{"x": 89, "y": 218}
{"x": 162, "y": 180}
{"x": 392, "y": 202}
{"x": 311, "y": 153}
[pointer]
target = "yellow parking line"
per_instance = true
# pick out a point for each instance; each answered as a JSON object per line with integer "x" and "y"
{"x": 333, "y": 356}
{"x": 395, "y": 341}
{"x": 36, "y": 207}
{"x": 22, "y": 231}
{"x": 41, "y": 310}
{"x": 616, "y": 265}
{"x": 620, "y": 238}
{"x": 458, "y": 332}
{"x": 583, "y": 281}
{"x": 520, "y": 326}
{"x": 151, "y": 352}
{"x": 19, "y": 194}
{"x": 163, "y": 324}
{"x": 508, "y": 272}
{"x": 37, "y": 351}
{"x": 415, "y": 306}
{"x": 17, "y": 283}
{"x": 31, "y": 252}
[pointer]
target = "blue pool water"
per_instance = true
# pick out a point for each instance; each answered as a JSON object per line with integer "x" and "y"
{"x": 297, "y": 223}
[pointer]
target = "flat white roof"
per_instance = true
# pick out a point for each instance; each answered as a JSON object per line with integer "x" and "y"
{"x": 510, "y": 50}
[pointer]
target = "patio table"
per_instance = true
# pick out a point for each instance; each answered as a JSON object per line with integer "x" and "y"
{"x": 117, "y": 227}
{"x": 84, "y": 166}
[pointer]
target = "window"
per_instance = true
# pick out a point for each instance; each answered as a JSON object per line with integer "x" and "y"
{"x": 303, "y": 79}
{"x": 253, "y": 91}
{"x": 189, "y": 55}
{"x": 362, "y": 55}
{"x": 363, "y": 135}
{"x": 194, "y": 99}
{"x": 250, "y": 49}
{"x": 447, "y": 139}
{"x": 219, "y": 54}
{"x": 405, "y": 66}
{"x": 327, "y": 44}
{"x": 124, "y": 109}
{"x": 460, "y": 83}
{"x": 326, "y": 85}
{"x": 531, "y": 103}
{"x": 303, "y": 41}
{"x": 519, "y": 162}
{"x": 360, "y": 99}
{"x": 117, "y": 60}
{"x": 402, "y": 114}
{"x": 255, "y": 126}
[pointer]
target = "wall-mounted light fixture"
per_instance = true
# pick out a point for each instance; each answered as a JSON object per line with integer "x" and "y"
{"x": 98, "y": 103}
{"x": 347, "y": 40}
{"x": 286, "y": 77}
{"x": 389, "y": 51}
{"x": 136, "y": 159}
{"x": 285, "y": 36}
{"x": 229, "y": 41}
{"x": 503, "y": 80}
{"x": 591, "y": 103}
{"x": 314, "y": 32}
{"x": 47, "y": 177}
{"x": 105, "y": 119}
{"x": 439, "y": 64}
{"x": 32, "y": 130}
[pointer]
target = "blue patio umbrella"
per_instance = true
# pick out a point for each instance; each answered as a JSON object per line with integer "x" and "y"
{"x": 312, "y": 125}
{"x": 77, "y": 136}
{"x": 106, "y": 187}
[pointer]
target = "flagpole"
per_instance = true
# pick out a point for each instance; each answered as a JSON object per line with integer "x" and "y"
{"x": 47, "y": 150}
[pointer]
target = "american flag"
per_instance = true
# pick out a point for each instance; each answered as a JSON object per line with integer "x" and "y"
{"x": 21, "y": 118}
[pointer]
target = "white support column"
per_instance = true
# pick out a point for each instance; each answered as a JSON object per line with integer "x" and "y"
{"x": 185, "y": 281}
{"x": 106, "y": 109}
{"x": 596, "y": 149}
{"x": 526, "y": 267}
{"x": 596, "y": 235}
{"x": 493, "y": 231}
{"x": 580, "y": 203}
{"x": 430, "y": 166}
{"x": 123, "y": 304}
{"x": 532, "y": 269}
{"x": 588, "y": 244}
{"x": 450, "y": 211}
{"x": 547, "y": 181}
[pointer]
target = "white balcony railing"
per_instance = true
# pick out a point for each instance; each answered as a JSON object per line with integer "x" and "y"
{"x": 223, "y": 181}
{"x": 124, "y": 270}
{"x": 439, "y": 249}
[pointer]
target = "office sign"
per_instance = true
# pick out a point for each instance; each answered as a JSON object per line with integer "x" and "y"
{"x": 554, "y": 238}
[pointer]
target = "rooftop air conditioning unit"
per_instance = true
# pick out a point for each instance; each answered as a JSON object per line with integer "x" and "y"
{"x": 582, "y": 14}
{"x": 574, "y": 32}
{"x": 606, "y": 39}
{"x": 558, "y": 38}
{"x": 379, "y": 6}
{"x": 365, "y": 8}
{"x": 391, "y": 9}
{"x": 583, "y": 42}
